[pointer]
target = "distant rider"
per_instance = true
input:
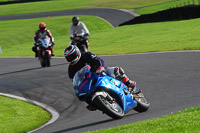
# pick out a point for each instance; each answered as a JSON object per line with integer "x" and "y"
{"x": 78, "y": 60}
{"x": 76, "y": 26}
{"x": 42, "y": 33}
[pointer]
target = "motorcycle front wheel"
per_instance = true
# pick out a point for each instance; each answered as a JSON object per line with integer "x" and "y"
{"x": 111, "y": 108}
{"x": 42, "y": 62}
{"x": 47, "y": 58}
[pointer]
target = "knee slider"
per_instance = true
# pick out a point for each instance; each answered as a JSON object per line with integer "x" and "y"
{"x": 34, "y": 49}
{"x": 119, "y": 72}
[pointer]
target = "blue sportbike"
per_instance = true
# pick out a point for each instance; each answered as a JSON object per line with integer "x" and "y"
{"x": 107, "y": 94}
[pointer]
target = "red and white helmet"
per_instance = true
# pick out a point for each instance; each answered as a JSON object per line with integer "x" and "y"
{"x": 42, "y": 26}
{"x": 72, "y": 54}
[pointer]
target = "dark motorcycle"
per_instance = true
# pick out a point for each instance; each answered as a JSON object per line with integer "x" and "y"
{"x": 80, "y": 39}
{"x": 44, "y": 52}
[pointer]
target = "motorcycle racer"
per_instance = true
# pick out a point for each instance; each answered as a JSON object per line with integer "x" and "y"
{"x": 42, "y": 33}
{"x": 77, "y": 25}
{"x": 80, "y": 39}
{"x": 78, "y": 60}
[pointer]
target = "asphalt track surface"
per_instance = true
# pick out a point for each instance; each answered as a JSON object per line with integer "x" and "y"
{"x": 169, "y": 80}
{"x": 114, "y": 16}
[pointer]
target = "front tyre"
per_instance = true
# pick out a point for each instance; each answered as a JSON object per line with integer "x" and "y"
{"x": 111, "y": 108}
{"x": 42, "y": 62}
{"x": 47, "y": 58}
{"x": 143, "y": 103}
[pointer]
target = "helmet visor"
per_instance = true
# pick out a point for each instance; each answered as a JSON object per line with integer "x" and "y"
{"x": 71, "y": 57}
{"x": 75, "y": 22}
{"x": 42, "y": 28}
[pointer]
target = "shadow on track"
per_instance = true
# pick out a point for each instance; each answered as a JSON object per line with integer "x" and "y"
{"x": 93, "y": 124}
{"x": 83, "y": 126}
{"x": 30, "y": 69}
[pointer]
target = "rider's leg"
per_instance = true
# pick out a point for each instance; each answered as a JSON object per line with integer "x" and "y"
{"x": 118, "y": 73}
{"x": 52, "y": 54}
{"x": 34, "y": 49}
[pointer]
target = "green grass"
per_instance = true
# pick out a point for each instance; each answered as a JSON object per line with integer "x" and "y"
{"x": 17, "y": 116}
{"x": 16, "y": 40}
{"x": 46, "y": 6}
{"x": 165, "y": 6}
{"x": 165, "y": 36}
{"x": 145, "y": 7}
{"x": 16, "y": 36}
{"x": 56, "y": 5}
{"x": 182, "y": 121}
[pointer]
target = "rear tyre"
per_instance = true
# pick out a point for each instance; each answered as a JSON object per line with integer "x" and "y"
{"x": 111, "y": 108}
{"x": 143, "y": 103}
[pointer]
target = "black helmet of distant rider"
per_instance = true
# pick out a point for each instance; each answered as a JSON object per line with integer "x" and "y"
{"x": 75, "y": 21}
{"x": 72, "y": 54}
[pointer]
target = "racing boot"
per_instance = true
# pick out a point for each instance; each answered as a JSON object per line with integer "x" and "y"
{"x": 131, "y": 85}
{"x": 120, "y": 75}
{"x": 36, "y": 54}
{"x": 135, "y": 92}
{"x": 52, "y": 54}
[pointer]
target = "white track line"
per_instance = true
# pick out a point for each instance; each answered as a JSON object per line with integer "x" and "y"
{"x": 52, "y": 111}
{"x": 163, "y": 52}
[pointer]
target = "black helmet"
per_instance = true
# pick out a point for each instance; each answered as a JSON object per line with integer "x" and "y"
{"x": 72, "y": 54}
{"x": 75, "y": 20}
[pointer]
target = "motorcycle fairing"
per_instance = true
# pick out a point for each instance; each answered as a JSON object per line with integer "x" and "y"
{"x": 90, "y": 81}
{"x": 118, "y": 87}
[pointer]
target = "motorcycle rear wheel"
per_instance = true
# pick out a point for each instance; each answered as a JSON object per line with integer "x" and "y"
{"x": 143, "y": 103}
{"x": 112, "y": 109}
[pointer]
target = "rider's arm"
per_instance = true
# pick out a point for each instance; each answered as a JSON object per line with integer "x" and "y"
{"x": 35, "y": 38}
{"x": 71, "y": 72}
{"x": 71, "y": 32}
{"x": 94, "y": 61}
{"x": 85, "y": 28}
{"x": 50, "y": 36}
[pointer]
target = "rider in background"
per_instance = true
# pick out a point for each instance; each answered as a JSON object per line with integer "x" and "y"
{"x": 77, "y": 25}
{"x": 78, "y": 60}
{"x": 42, "y": 33}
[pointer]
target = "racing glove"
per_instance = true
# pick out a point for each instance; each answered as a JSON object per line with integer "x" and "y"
{"x": 86, "y": 36}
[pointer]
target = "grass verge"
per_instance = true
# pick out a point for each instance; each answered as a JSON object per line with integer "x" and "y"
{"x": 165, "y": 6}
{"x": 19, "y": 116}
{"x": 151, "y": 37}
{"x": 16, "y": 36}
{"x": 46, "y": 6}
{"x": 182, "y": 121}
